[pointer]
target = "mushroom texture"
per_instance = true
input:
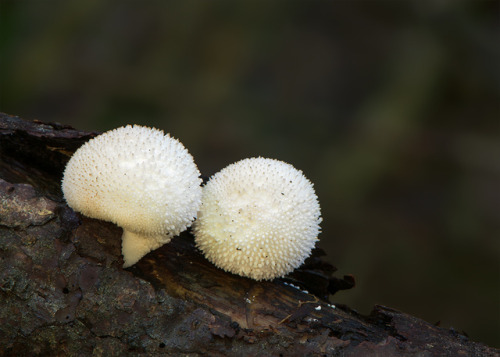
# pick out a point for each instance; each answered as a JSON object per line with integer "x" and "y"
{"x": 141, "y": 180}
{"x": 259, "y": 218}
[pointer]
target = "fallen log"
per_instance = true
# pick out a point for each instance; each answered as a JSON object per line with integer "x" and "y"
{"x": 64, "y": 291}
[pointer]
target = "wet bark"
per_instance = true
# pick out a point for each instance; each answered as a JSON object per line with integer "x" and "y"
{"x": 63, "y": 290}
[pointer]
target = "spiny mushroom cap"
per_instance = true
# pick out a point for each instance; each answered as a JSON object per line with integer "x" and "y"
{"x": 259, "y": 218}
{"x": 138, "y": 178}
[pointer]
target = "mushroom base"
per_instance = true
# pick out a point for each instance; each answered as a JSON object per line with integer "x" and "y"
{"x": 135, "y": 246}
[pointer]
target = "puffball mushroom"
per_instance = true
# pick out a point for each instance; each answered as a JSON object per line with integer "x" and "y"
{"x": 258, "y": 218}
{"x": 141, "y": 180}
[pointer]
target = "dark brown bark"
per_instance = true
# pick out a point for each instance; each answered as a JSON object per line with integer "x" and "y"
{"x": 63, "y": 290}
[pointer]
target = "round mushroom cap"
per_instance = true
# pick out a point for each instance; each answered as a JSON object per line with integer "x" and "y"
{"x": 136, "y": 177}
{"x": 259, "y": 218}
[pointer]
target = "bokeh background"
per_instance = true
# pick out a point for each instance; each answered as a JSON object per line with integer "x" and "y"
{"x": 391, "y": 108}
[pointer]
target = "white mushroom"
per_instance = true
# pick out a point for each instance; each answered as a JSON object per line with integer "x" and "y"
{"x": 259, "y": 218}
{"x": 138, "y": 178}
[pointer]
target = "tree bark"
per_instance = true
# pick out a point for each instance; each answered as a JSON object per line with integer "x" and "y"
{"x": 64, "y": 292}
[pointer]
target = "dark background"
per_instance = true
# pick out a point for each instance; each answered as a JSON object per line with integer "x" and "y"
{"x": 391, "y": 108}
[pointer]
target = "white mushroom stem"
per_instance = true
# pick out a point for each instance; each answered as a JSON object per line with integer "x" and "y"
{"x": 135, "y": 246}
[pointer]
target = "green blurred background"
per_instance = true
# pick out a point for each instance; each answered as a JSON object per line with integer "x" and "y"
{"x": 391, "y": 108}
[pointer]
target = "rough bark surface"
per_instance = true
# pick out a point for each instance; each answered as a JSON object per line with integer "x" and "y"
{"x": 63, "y": 290}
